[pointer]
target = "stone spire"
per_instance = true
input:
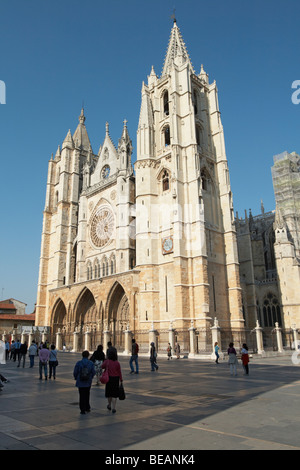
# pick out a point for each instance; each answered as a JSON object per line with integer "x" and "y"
{"x": 125, "y": 149}
{"x": 80, "y": 137}
{"x": 68, "y": 142}
{"x": 177, "y": 52}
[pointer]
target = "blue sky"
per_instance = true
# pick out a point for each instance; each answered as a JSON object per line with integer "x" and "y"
{"x": 55, "y": 55}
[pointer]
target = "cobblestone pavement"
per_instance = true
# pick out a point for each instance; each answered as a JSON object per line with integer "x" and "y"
{"x": 186, "y": 405}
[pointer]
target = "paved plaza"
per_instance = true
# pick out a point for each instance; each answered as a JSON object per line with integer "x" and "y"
{"x": 186, "y": 405}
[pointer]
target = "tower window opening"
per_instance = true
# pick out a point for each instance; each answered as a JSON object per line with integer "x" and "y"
{"x": 167, "y": 136}
{"x": 165, "y": 181}
{"x": 198, "y": 135}
{"x": 195, "y": 103}
{"x": 166, "y": 103}
{"x": 204, "y": 181}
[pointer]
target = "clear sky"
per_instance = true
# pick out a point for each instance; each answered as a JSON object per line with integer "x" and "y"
{"x": 55, "y": 55}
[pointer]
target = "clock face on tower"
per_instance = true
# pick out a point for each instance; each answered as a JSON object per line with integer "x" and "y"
{"x": 167, "y": 245}
{"x": 105, "y": 172}
{"x": 102, "y": 226}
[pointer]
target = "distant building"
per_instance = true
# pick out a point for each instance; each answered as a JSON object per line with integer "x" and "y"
{"x": 13, "y": 317}
{"x": 269, "y": 255}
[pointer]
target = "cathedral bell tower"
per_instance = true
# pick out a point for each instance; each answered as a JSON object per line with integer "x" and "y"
{"x": 59, "y": 245}
{"x": 185, "y": 235}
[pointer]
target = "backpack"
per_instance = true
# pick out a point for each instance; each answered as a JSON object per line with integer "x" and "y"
{"x": 84, "y": 374}
{"x": 136, "y": 348}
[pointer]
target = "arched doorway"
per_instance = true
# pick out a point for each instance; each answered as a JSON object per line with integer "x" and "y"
{"x": 85, "y": 314}
{"x": 60, "y": 324}
{"x": 59, "y": 316}
{"x": 117, "y": 315}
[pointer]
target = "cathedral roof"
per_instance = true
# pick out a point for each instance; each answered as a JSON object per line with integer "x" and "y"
{"x": 177, "y": 51}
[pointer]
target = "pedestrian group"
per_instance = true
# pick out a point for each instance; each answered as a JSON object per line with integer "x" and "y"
{"x": 105, "y": 367}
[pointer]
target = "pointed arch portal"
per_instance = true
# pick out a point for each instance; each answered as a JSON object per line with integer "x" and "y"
{"x": 59, "y": 316}
{"x": 85, "y": 309}
{"x": 117, "y": 314}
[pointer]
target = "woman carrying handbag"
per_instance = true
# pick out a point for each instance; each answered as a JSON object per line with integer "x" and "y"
{"x": 112, "y": 368}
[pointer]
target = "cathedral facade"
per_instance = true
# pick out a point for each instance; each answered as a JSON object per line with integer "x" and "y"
{"x": 146, "y": 250}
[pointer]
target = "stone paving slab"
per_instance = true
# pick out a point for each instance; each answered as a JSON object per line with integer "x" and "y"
{"x": 186, "y": 405}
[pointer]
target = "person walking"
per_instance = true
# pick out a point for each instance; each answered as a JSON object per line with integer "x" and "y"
{"x": 53, "y": 362}
{"x": 134, "y": 357}
{"x": 12, "y": 350}
{"x": 44, "y": 354}
{"x": 97, "y": 358}
{"x": 169, "y": 351}
{"x": 153, "y": 357}
{"x": 217, "y": 349}
{"x": 110, "y": 347}
{"x": 232, "y": 361}
{"x": 22, "y": 354}
{"x": 32, "y": 353}
{"x": 17, "y": 350}
{"x": 177, "y": 350}
{"x": 7, "y": 348}
{"x": 112, "y": 365}
{"x": 84, "y": 372}
{"x": 245, "y": 359}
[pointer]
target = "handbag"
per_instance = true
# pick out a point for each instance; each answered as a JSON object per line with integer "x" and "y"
{"x": 122, "y": 395}
{"x": 104, "y": 377}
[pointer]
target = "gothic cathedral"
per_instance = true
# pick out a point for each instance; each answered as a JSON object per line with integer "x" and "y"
{"x": 146, "y": 251}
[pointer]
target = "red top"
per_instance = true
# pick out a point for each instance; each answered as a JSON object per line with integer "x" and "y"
{"x": 114, "y": 368}
{"x": 245, "y": 359}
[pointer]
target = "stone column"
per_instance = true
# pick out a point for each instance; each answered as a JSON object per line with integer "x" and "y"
{"x": 4, "y": 336}
{"x": 172, "y": 337}
{"x": 216, "y": 337}
{"x": 128, "y": 341}
{"x": 153, "y": 337}
{"x": 279, "y": 337}
{"x": 30, "y": 338}
{"x": 259, "y": 338}
{"x": 87, "y": 339}
{"x": 106, "y": 338}
{"x": 13, "y": 335}
{"x": 75, "y": 340}
{"x": 192, "y": 332}
{"x": 44, "y": 336}
{"x": 23, "y": 338}
{"x": 58, "y": 342}
{"x": 295, "y": 337}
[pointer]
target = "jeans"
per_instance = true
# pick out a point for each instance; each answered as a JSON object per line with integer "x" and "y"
{"x": 22, "y": 356}
{"x": 134, "y": 358}
{"x": 84, "y": 399}
{"x": 52, "y": 367}
{"x": 153, "y": 363}
{"x": 31, "y": 361}
{"x": 45, "y": 369}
